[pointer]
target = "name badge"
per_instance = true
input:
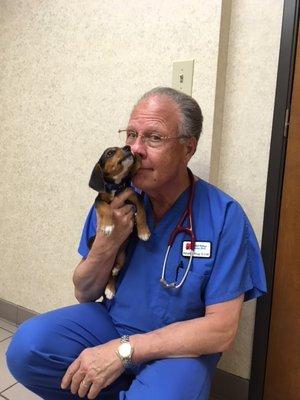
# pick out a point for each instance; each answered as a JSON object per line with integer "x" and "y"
{"x": 202, "y": 249}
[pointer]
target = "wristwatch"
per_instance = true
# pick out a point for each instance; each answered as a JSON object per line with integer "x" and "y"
{"x": 125, "y": 351}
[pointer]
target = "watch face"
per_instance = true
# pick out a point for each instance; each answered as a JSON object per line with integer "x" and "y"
{"x": 125, "y": 350}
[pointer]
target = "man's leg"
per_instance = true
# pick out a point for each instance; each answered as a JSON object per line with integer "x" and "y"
{"x": 173, "y": 378}
{"x": 44, "y": 346}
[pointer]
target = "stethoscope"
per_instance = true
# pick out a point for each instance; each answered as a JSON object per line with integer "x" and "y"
{"x": 181, "y": 229}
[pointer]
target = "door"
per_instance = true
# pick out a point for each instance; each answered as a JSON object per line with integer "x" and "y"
{"x": 282, "y": 381}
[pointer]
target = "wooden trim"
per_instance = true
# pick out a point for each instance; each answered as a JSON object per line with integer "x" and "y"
{"x": 286, "y": 62}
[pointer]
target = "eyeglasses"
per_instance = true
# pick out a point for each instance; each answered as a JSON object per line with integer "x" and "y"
{"x": 151, "y": 139}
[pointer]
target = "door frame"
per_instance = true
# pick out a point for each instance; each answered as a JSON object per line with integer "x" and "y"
{"x": 285, "y": 74}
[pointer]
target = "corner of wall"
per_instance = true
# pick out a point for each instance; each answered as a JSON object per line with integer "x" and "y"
{"x": 220, "y": 91}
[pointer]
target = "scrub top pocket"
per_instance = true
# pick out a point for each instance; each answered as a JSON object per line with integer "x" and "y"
{"x": 172, "y": 305}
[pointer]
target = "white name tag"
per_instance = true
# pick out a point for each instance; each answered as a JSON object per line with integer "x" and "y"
{"x": 202, "y": 249}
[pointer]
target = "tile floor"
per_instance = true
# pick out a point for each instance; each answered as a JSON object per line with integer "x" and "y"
{"x": 9, "y": 388}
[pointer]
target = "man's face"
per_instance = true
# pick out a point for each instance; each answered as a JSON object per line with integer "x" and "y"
{"x": 160, "y": 166}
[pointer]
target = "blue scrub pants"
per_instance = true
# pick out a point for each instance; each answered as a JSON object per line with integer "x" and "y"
{"x": 44, "y": 346}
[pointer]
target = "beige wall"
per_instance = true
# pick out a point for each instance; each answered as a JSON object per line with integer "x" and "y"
{"x": 70, "y": 72}
{"x": 248, "y": 111}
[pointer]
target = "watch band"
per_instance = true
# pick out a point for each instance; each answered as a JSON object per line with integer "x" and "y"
{"x": 124, "y": 339}
{"x": 127, "y": 361}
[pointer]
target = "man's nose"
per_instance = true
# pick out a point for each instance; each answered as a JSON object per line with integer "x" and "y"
{"x": 138, "y": 147}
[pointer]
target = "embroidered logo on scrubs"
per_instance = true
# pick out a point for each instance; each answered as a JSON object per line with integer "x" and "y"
{"x": 202, "y": 249}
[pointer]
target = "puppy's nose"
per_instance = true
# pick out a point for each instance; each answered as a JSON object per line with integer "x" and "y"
{"x": 127, "y": 148}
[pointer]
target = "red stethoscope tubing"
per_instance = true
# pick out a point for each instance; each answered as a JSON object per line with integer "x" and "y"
{"x": 188, "y": 212}
{"x": 181, "y": 229}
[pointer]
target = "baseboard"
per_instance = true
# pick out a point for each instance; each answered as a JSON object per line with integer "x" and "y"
{"x": 225, "y": 386}
{"x": 13, "y": 313}
{"x": 228, "y": 386}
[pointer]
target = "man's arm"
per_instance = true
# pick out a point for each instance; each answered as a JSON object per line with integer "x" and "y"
{"x": 213, "y": 333}
{"x": 91, "y": 274}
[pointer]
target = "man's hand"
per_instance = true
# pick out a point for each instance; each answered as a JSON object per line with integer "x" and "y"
{"x": 122, "y": 218}
{"x": 95, "y": 368}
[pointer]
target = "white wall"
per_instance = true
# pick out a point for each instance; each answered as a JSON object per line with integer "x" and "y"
{"x": 70, "y": 73}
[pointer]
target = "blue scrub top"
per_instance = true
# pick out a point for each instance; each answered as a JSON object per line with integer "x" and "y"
{"x": 234, "y": 265}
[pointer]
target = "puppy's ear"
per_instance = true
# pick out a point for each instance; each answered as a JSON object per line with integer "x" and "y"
{"x": 96, "y": 180}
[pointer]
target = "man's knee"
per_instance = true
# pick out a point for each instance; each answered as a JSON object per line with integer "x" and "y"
{"x": 20, "y": 353}
{"x": 174, "y": 378}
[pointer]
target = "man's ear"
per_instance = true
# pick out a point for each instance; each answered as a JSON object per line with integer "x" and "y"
{"x": 96, "y": 180}
{"x": 191, "y": 146}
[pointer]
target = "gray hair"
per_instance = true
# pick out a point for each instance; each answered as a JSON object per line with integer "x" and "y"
{"x": 190, "y": 111}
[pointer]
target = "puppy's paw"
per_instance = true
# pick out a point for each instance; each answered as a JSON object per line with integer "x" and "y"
{"x": 115, "y": 271}
{"x": 107, "y": 229}
{"x": 144, "y": 234}
{"x": 109, "y": 294}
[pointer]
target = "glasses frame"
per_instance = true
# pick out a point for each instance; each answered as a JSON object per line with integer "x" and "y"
{"x": 144, "y": 138}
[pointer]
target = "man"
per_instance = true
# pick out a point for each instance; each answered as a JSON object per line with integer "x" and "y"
{"x": 172, "y": 338}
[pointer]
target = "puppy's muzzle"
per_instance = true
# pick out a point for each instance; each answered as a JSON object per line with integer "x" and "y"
{"x": 127, "y": 154}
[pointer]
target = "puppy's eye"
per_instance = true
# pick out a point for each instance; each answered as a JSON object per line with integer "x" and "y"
{"x": 110, "y": 153}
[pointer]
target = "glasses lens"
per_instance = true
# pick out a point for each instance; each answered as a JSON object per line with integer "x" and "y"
{"x": 154, "y": 140}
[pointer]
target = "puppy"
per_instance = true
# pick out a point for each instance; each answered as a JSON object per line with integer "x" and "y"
{"x": 111, "y": 175}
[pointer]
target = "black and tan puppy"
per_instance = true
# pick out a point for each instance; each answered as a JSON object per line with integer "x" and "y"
{"x": 111, "y": 175}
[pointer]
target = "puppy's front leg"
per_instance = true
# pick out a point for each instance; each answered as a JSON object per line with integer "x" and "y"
{"x": 110, "y": 289}
{"x": 120, "y": 260}
{"x": 106, "y": 217}
{"x": 141, "y": 220}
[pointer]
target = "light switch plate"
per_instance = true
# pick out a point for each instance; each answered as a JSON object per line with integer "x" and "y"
{"x": 182, "y": 77}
